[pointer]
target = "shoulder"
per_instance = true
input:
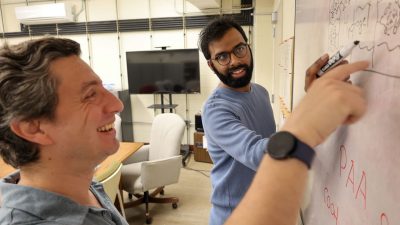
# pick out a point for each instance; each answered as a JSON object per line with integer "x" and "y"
{"x": 12, "y": 216}
{"x": 218, "y": 104}
{"x": 224, "y": 98}
{"x": 258, "y": 88}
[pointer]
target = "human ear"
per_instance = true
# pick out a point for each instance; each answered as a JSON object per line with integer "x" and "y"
{"x": 30, "y": 131}
{"x": 210, "y": 64}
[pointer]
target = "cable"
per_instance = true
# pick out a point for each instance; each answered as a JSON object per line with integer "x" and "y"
{"x": 202, "y": 172}
{"x": 205, "y": 173}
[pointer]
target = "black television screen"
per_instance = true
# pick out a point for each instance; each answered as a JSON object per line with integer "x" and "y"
{"x": 164, "y": 71}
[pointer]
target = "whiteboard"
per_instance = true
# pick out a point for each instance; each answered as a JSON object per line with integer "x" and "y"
{"x": 283, "y": 70}
{"x": 357, "y": 170}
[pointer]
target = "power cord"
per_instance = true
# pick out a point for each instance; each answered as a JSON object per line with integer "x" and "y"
{"x": 205, "y": 173}
{"x": 202, "y": 172}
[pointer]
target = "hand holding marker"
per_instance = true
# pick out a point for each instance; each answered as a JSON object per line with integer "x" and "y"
{"x": 337, "y": 58}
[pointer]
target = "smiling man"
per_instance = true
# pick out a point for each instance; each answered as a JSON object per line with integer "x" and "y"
{"x": 56, "y": 125}
{"x": 237, "y": 117}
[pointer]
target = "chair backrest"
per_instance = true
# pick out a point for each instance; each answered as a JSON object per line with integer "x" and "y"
{"x": 118, "y": 127}
{"x": 111, "y": 183}
{"x": 166, "y": 136}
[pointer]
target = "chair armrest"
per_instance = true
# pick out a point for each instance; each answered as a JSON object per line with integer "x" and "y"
{"x": 139, "y": 156}
{"x": 158, "y": 173}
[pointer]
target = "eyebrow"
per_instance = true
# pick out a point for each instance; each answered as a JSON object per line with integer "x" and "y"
{"x": 218, "y": 54}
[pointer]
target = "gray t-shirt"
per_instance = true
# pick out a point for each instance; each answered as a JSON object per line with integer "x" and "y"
{"x": 28, "y": 206}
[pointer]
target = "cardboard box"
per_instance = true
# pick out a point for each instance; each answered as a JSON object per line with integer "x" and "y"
{"x": 200, "y": 153}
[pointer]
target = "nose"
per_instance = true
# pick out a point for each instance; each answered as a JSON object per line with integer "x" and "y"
{"x": 234, "y": 60}
{"x": 113, "y": 103}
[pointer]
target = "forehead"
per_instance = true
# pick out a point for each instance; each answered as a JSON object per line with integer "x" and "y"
{"x": 230, "y": 40}
{"x": 72, "y": 72}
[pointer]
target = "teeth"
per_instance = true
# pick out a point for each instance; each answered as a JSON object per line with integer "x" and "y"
{"x": 238, "y": 70}
{"x": 106, "y": 128}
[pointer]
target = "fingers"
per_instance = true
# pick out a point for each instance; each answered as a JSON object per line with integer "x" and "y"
{"x": 356, "y": 103}
{"x": 342, "y": 72}
{"x": 316, "y": 66}
{"x": 343, "y": 62}
{"x": 328, "y": 104}
{"x": 349, "y": 100}
{"x": 329, "y": 97}
{"x": 311, "y": 73}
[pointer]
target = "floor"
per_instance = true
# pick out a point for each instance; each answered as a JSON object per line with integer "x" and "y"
{"x": 193, "y": 191}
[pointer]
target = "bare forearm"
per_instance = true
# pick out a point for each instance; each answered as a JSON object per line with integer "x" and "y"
{"x": 275, "y": 194}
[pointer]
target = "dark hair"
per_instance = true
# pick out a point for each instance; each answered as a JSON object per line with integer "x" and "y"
{"x": 216, "y": 30}
{"x": 28, "y": 91}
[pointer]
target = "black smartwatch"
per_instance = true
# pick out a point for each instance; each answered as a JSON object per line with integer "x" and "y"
{"x": 283, "y": 145}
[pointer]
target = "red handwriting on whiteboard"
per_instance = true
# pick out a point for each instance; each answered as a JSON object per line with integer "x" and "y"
{"x": 334, "y": 210}
{"x": 350, "y": 180}
{"x": 384, "y": 219}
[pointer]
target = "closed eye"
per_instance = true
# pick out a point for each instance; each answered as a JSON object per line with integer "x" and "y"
{"x": 90, "y": 95}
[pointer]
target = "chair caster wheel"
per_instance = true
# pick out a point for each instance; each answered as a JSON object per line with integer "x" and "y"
{"x": 149, "y": 220}
{"x": 174, "y": 205}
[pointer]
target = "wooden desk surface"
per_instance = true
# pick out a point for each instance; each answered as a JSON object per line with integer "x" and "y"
{"x": 125, "y": 150}
{"x": 5, "y": 169}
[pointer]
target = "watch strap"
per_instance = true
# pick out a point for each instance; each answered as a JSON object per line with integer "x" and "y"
{"x": 304, "y": 153}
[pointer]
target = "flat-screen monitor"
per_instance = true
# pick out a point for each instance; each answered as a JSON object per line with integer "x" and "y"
{"x": 164, "y": 71}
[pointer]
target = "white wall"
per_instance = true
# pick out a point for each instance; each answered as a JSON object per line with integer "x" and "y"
{"x": 289, "y": 8}
{"x": 262, "y": 47}
{"x": 102, "y": 51}
{"x": 283, "y": 40}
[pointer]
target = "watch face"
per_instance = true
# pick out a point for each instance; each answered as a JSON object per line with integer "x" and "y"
{"x": 281, "y": 144}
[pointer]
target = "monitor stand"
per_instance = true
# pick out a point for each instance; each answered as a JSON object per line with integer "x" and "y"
{"x": 163, "y": 106}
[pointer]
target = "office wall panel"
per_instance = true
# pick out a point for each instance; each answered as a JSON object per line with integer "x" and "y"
{"x": 101, "y": 10}
{"x": 105, "y": 58}
{"x": 164, "y": 8}
{"x": 128, "y": 9}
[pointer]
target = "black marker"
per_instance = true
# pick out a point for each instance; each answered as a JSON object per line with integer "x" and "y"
{"x": 337, "y": 57}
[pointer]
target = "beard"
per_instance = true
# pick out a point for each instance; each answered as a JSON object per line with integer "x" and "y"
{"x": 232, "y": 82}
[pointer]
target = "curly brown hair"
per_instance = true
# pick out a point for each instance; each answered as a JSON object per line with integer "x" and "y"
{"x": 28, "y": 91}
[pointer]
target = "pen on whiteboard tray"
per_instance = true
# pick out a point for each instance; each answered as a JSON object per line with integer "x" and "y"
{"x": 338, "y": 57}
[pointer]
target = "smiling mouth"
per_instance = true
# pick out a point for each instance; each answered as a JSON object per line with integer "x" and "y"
{"x": 106, "y": 128}
{"x": 237, "y": 71}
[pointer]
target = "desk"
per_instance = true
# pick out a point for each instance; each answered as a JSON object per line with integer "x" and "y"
{"x": 125, "y": 150}
{"x": 5, "y": 169}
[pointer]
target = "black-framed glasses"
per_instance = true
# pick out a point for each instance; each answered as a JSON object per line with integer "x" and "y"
{"x": 224, "y": 58}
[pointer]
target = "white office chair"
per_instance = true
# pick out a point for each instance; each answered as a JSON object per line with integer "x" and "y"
{"x": 110, "y": 180}
{"x": 155, "y": 165}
